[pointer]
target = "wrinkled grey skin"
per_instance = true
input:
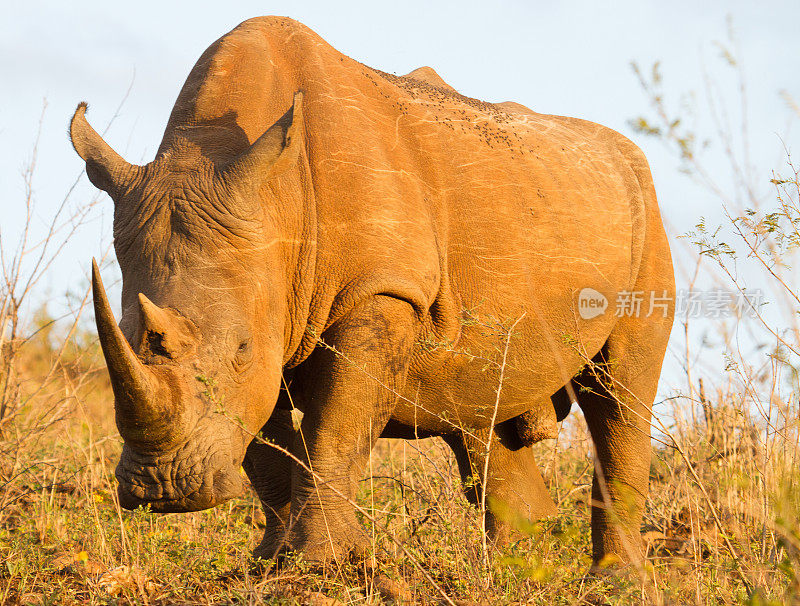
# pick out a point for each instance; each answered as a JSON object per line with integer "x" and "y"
{"x": 360, "y": 252}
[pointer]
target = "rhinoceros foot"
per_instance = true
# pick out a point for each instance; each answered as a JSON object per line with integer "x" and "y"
{"x": 318, "y": 542}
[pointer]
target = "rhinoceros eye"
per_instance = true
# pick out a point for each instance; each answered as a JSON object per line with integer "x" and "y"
{"x": 244, "y": 354}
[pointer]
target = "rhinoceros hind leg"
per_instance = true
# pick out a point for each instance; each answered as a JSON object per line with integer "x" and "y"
{"x": 618, "y": 419}
{"x": 515, "y": 491}
{"x": 616, "y": 395}
{"x": 562, "y": 403}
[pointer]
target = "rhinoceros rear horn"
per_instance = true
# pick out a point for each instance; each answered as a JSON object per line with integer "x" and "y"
{"x": 278, "y": 144}
{"x": 106, "y": 169}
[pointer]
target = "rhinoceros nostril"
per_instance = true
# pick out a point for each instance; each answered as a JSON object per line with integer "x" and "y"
{"x": 155, "y": 343}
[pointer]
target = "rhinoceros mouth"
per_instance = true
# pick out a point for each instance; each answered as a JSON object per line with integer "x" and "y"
{"x": 180, "y": 481}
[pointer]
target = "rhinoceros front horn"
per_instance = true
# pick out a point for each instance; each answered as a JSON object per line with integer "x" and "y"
{"x": 106, "y": 169}
{"x": 143, "y": 405}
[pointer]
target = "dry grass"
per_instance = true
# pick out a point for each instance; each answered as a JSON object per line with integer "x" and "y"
{"x": 63, "y": 537}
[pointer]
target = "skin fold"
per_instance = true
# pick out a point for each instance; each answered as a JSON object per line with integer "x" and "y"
{"x": 378, "y": 253}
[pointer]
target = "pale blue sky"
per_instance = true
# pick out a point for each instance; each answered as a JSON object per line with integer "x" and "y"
{"x": 568, "y": 58}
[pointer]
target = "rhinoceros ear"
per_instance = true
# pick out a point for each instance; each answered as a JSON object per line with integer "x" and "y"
{"x": 106, "y": 169}
{"x": 278, "y": 146}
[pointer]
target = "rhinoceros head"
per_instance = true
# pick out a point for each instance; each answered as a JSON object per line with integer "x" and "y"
{"x": 195, "y": 362}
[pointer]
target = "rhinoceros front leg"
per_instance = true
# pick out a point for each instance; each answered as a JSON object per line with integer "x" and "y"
{"x": 348, "y": 387}
{"x": 270, "y": 473}
{"x": 515, "y": 491}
